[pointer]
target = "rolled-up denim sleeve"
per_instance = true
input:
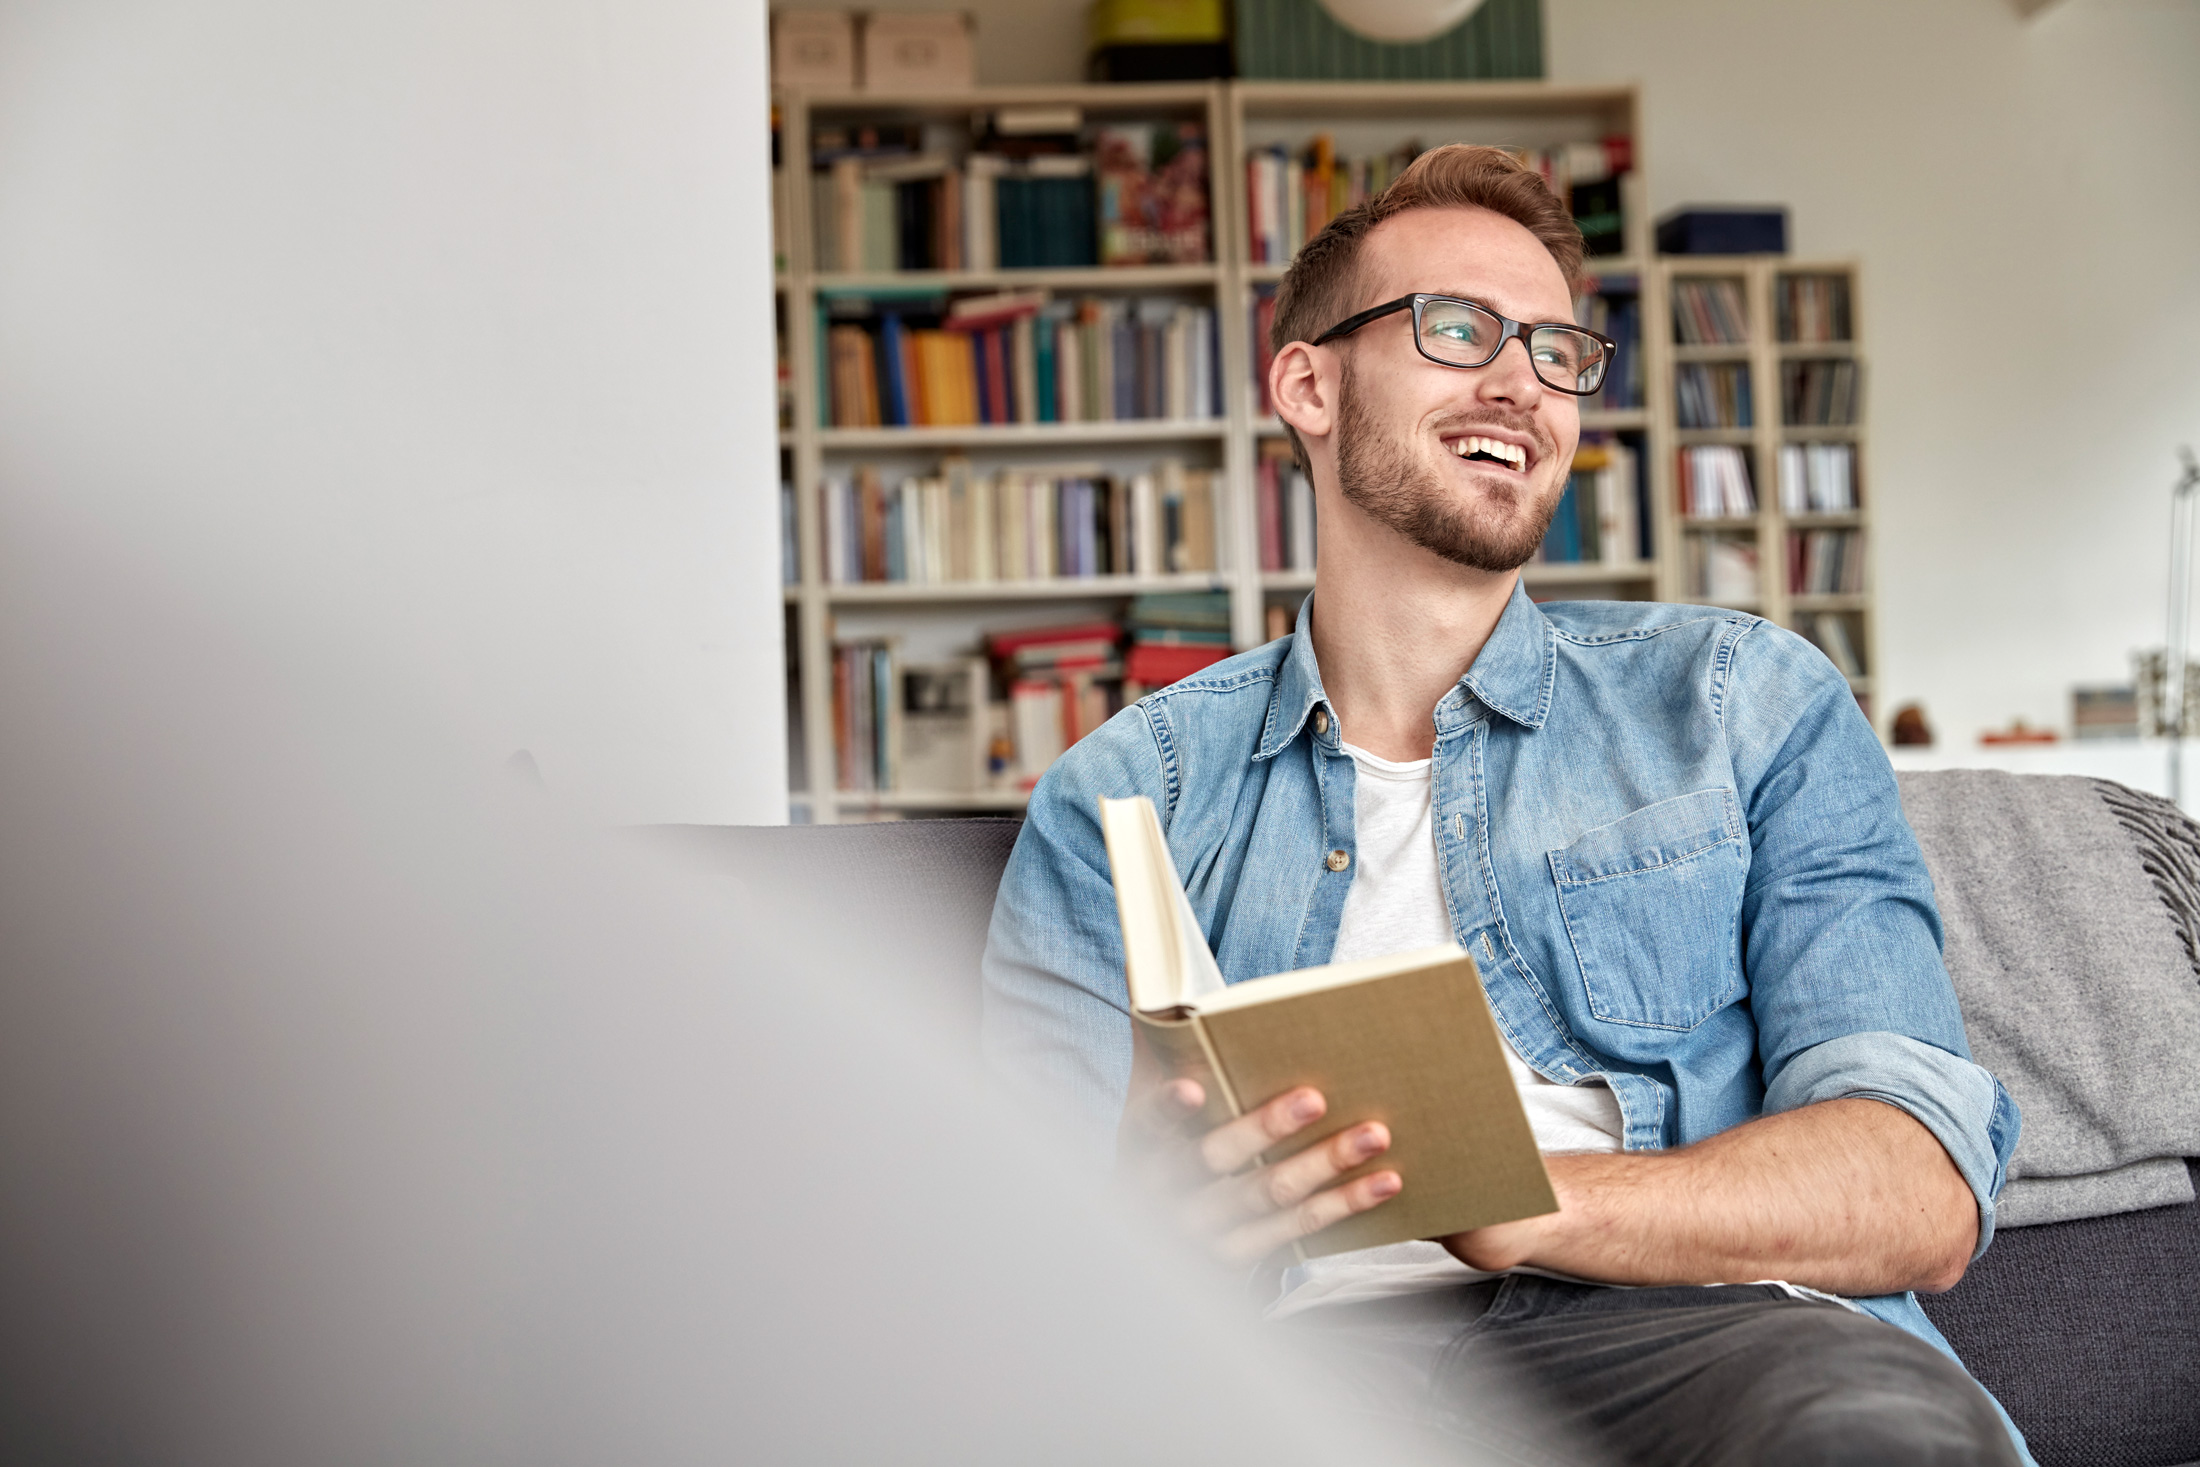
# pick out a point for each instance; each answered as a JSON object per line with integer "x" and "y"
{"x": 1965, "y": 1108}
{"x": 1056, "y": 1024}
{"x": 1841, "y": 935}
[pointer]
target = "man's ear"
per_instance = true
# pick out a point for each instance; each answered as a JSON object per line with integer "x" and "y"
{"x": 1303, "y": 384}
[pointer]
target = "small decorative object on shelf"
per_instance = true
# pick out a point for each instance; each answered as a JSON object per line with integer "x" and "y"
{"x": 2108, "y": 712}
{"x": 1910, "y": 728}
{"x": 2018, "y": 732}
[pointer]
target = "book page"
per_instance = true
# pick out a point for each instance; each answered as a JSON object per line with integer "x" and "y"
{"x": 1166, "y": 962}
{"x": 1329, "y": 975}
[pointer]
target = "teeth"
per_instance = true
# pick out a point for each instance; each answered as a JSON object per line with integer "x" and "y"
{"x": 1511, "y": 453}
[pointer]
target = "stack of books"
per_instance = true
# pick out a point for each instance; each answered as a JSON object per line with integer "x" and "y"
{"x": 1599, "y": 516}
{"x": 1713, "y": 395}
{"x": 1709, "y": 313}
{"x": 1291, "y": 195}
{"x": 1722, "y": 567}
{"x": 1825, "y": 563}
{"x": 1127, "y": 194}
{"x": 958, "y": 525}
{"x": 1017, "y": 357}
{"x": 1822, "y": 391}
{"x": 1714, "y": 482}
{"x": 1173, "y": 635}
{"x": 1063, "y": 682}
{"x": 1614, "y": 309}
{"x": 1812, "y": 309}
{"x": 1818, "y": 478}
{"x": 866, "y": 715}
{"x": 1284, "y": 506}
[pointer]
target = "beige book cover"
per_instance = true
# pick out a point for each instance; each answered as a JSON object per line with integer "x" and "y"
{"x": 1407, "y": 1040}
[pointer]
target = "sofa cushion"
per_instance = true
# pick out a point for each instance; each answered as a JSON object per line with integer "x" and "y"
{"x": 2088, "y": 1332}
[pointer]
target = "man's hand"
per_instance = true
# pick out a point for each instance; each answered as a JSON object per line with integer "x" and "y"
{"x": 1241, "y": 1217}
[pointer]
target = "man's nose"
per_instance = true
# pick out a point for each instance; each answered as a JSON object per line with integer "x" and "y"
{"x": 1510, "y": 375}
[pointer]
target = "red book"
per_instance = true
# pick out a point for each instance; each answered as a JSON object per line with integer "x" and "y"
{"x": 1158, "y": 666}
{"x": 1003, "y": 643}
{"x": 996, "y": 375}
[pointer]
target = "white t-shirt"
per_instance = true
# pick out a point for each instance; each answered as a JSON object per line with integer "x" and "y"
{"x": 1396, "y": 904}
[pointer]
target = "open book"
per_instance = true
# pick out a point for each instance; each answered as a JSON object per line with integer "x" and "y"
{"x": 1406, "y": 1040}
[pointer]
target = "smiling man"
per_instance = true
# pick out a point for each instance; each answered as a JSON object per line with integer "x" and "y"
{"x": 1665, "y": 833}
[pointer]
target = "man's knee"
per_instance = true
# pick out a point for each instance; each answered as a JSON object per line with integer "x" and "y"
{"x": 1845, "y": 1390}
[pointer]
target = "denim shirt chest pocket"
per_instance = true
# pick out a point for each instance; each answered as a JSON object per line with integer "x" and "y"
{"x": 1652, "y": 904}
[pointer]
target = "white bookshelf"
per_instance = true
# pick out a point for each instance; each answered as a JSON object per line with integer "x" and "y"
{"x": 1765, "y": 355}
{"x": 1364, "y": 117}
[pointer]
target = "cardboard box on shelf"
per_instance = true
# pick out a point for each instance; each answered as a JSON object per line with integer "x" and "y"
{"x": 814, "y": 49}
{"x": 918, "y": 51}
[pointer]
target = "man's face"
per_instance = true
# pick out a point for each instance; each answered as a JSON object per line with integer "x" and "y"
{"x": 1414, "y": 438}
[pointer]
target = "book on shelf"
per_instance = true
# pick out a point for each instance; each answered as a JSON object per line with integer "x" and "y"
{"x": 1818, "y": 478}
{"x": 1407, "y": 1040}
{"x": 1825, "y": 562}
{"x": 1017, "y": 357}
{"x": 888, "y": 198}
{"x": 1713, "y": 395}
{"x": 1722, "y": 567}
{"x": 1599, "y": 517}
{"x": 1173, "y": 634}
{"x": 1152, "y": 197}
{"x": 1063, "y": 682}
{"x": 1709, "y": 312}
{"x": 1829, "y": 632}
{"x": 1283, "y": 509}
{"x": 957, "y": 525}
{"x": 1264, "y": 351}
{"x": 1819, "y": 391}
{"x": 1713, "y": 482}
{"x": 790, "y": 552}
{"x": 1812, "y": 309}
{"x": 866, "y": 714}
{"x": 1292, "y": 193}
{"x": 1614, "y": 309}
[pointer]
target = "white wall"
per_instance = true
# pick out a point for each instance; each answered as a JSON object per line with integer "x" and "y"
{"x": 429, "y": 341}
{"x": 2022, "y": 194}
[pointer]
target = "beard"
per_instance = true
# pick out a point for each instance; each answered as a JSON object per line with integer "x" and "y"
{"x": 1378, "y": 471}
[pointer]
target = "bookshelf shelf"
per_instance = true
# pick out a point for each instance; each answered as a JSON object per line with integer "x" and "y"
{"x": 1366, "y": 118}
{"x": 1082, "y": 278}
{"x": 899, "y": 801}
{"x": 1832, "y": 542}
{"x": 1020, "y": 435}
{"x": 1062, "y": 588}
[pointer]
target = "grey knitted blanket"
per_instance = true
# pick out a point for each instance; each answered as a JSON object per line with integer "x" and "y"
{"x": 2073, "y": 935}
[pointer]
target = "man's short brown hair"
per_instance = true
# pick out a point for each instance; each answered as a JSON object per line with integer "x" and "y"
{"x": 1322, "y": 287}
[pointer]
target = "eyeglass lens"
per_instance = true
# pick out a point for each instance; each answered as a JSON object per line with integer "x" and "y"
{"x": 1464, "y": 335}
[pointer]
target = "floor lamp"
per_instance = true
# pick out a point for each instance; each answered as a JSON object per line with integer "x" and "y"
{"x": 2181, "y": 496}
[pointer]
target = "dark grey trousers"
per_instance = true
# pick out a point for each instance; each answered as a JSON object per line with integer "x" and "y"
{"x": 1532, "y": 1370}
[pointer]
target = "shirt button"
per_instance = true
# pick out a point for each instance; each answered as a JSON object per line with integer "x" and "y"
{"x": 1321, "y": 721}
{"x": 1338, "y": 860}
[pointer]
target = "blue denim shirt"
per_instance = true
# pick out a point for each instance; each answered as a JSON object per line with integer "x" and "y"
{"x": 1666, "y": 833}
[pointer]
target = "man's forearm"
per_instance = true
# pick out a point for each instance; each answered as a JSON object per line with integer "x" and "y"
{"x": 1850, "y": 1196}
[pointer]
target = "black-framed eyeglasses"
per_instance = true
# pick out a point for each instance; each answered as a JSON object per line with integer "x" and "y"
{"x": 1461, "y": 333}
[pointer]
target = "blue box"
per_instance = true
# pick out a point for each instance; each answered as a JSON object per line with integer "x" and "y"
{"x": 1724, "y": 230}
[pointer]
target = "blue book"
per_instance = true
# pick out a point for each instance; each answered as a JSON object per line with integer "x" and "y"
{"x": 1562, "y": 542}
{"x": 981, "y": 376}
{"x": 894, "y": 397}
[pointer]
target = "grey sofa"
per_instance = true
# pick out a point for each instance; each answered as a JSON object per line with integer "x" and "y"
{"x": 2087, "y": 1330}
